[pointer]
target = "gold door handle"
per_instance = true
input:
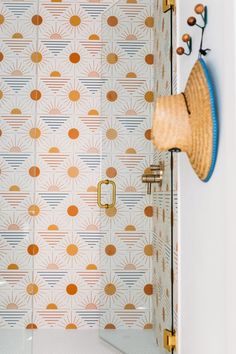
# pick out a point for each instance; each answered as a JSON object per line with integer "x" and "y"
{"x": 99, "y": 194}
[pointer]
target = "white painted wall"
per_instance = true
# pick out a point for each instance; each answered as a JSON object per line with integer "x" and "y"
{"x": 207, "y": 289}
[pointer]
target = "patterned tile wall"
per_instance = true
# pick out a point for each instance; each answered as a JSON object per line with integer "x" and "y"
{"x": 76, "y": 100}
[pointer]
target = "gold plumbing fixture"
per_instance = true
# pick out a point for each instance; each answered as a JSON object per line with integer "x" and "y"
{"x": 155, "y": 176}
{"x": 99, "y": 194}
{"x": 170, "y": 340}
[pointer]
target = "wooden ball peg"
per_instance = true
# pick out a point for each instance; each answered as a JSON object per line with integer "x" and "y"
{"x": 186, "y": 38}
{"x": 192, "y": 21}
{"x": 180, "y": 50}
{"x": 199, "y": 9}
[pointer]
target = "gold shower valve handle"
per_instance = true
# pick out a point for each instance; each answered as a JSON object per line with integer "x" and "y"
{"x": 99, "y": 194}
{"x": 155, "y": 176}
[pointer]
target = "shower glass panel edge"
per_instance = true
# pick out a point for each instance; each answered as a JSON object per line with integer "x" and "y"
{"x": 129, "y": 304}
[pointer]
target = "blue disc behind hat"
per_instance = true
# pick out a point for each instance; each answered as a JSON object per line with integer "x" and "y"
{"x": 215, "y": 123}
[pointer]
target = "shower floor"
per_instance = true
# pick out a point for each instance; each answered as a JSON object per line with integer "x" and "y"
{"x": 51, "y": 341}
{"x": 132, "y": 341}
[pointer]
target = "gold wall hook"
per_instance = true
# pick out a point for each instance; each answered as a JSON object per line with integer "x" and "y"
{"x": 99, "y": 194}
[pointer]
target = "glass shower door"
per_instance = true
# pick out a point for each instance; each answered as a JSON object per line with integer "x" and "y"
{"x": 136, "y": 226}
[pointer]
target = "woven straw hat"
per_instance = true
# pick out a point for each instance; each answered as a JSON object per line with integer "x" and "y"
{"x": 188, "y": 122}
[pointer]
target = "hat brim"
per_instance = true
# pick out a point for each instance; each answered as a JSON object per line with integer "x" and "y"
{"x": 215, "y": 123}
{"x": 201, "y": 103}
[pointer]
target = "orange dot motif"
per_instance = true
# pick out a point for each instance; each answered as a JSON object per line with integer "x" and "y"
{"x": 91, "y": 267}
{"x": 72, "y": 210}
{"x": 148, "y": 250}
{"x": 111, "y": 134}
{"x": 36, "y": 57}
{"x": 71, "y": 326}
{"x": 2, "y": 19}
{"x": 33, "y": 210}
{"x": 32, "y": 289}
{"x": 110, "y": 250}
{"x": 111, "y": 172}
{"x": 31, "y": 326}
{"x": 33, "y": 249}
{"x": 72, "y": 249}
{"x": 13, "y": 266}
{"x": 53, "y": 227}
{"x": 111, "y": 212}
{"x": 110, "y": 326}
{"x": 148, "y": 289}
{"x": 129, "y": 307}
{"x": 73, "y": 172}
{"x": 112, "y": 21}
{"x": 131, "y": 75}
{"x": 35, "y": 133}
{"x": 148, "y": 134}
{"x": 110, "y": 289}
{"x": 73, "y": 133}
{"x": 74, "y": 58}
{"x": 34, "y": 171}
{"x": 149, "y": 96}
{"x": 1, "y": 56}
{"x": 35, "y": 95}
{"x": 52, "y": 307}
{"x": 74, "y": 95}
{"x": 94, "y": 37}
{"x": 148, "y": 326}
{"x": 148, "y": 211}
{"x": 75, "y": 20}
{"x": 15, "y": 111}
{"x": 149, "y": 58}
{"x": 130, "y": 228}
{"x": 37, "y": 20}
{"x": 17, "y": 35}
{"x": 71, "y": 289}
{"x": 112, "y": 96}
{"x": 112, "y": 58}
{"x": 149, "y": 22}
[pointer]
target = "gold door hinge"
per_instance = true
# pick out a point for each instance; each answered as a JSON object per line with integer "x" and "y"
{"x": 168, "y": 4}
{"x": 169, "y": 340}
